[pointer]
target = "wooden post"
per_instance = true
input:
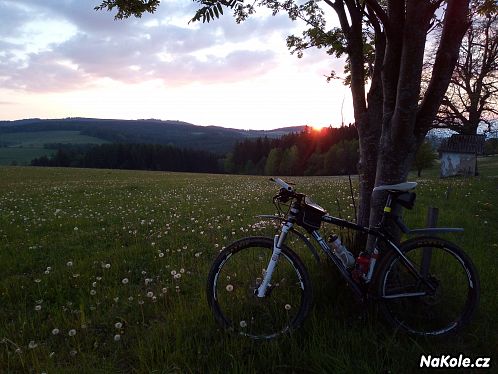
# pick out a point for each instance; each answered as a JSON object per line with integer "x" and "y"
{"x": 447, "y": 194}
{"x": 432, "y": 216}
{"x": 431, "y": 221}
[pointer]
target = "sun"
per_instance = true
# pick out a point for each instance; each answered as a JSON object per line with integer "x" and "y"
{"x": 317, "y": 128}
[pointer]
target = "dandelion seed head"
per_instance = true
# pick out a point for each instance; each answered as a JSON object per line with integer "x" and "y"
{"x": 124, "y": 281}
{"x": 243, "y": 324}
{"x": 55, "y": 331}
{"x": 229, "y": 288}
{"x": 287, "y": 307}
{"x": 118, "y": 325}
{"x": 117, "y": 338}
{"x": 72, "y": 332}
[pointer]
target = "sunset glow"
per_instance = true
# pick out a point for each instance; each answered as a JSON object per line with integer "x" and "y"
{"x": 318, "y": 128}
{"x": 63, "y": 59}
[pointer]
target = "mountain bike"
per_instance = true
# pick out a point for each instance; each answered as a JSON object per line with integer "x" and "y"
{"x": 259, "y": 287}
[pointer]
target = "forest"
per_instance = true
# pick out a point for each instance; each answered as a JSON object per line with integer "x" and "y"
{"x": 133, "y": 157}
{"x": 327, "y": 151}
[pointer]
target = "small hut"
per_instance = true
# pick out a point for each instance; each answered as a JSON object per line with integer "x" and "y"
{"x": 458, "y": 155}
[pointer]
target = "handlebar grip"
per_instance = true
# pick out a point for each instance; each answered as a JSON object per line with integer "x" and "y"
{"x": 282, "y": 184}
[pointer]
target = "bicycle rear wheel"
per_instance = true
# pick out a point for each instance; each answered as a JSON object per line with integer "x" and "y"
{"x": 410, "y": 304}
{"x": 234, "y": 278}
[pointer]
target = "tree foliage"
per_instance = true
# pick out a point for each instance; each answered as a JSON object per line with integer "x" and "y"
{"x": 424, "y": 158}
{"x": 329, "y": 151}
{"x": 128, "y": 8}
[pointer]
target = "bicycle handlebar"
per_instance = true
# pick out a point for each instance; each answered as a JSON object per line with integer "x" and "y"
{"x": 282, "y": 184}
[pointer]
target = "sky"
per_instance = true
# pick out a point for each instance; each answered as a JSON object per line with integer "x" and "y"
{"x": 61, "y": 58}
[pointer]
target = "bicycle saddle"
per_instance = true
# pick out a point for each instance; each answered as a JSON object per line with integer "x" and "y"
{"x": 401, "y": 187}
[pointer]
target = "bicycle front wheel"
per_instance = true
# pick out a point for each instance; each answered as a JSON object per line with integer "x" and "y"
{"x": 441, "y": 303}
{"x": 234, "y": 278}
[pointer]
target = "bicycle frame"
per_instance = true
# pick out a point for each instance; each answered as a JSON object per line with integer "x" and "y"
{"x": 287, "y": 227}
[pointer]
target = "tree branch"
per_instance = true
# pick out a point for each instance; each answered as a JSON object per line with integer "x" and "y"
{"x": 379, "y": 12}
{"x": 455, "y": 25}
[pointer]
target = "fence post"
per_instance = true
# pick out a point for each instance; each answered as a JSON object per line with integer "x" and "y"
{"x": 431, "y": 221}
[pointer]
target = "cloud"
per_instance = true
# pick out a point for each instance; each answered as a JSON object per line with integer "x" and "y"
{"x": 11, "y": 19}
{"x": 159, "y": 46}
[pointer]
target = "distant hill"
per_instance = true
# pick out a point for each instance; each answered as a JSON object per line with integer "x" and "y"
{"x": 177, "y": 133}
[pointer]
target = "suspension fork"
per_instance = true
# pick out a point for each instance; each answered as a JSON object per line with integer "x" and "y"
{"x": 278, "y": 242}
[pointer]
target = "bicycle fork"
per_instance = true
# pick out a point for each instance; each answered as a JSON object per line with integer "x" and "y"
{"x": 278, "y": 242}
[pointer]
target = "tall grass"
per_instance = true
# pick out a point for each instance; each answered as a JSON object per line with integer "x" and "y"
{"x": 104, "y": 271}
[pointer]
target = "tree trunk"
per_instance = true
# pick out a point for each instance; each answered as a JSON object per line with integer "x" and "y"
{"x": 405, "y": 123}
{"x": 398, "y": 143}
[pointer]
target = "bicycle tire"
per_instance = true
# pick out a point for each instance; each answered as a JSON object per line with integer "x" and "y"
{"x": 234, "y": 277}
{"x": 448, "y": 269}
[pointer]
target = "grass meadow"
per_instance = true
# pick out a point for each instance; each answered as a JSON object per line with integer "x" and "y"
{"x": 103, "y": 271}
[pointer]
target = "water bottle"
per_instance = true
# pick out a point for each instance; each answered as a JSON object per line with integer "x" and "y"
{"x": 361, "y": 270}
{"x": 341, "y": 251}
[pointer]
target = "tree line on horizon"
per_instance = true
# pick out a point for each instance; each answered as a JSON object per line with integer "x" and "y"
{"x": 329, "y": 151}
{"x": 132, "y": 157}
